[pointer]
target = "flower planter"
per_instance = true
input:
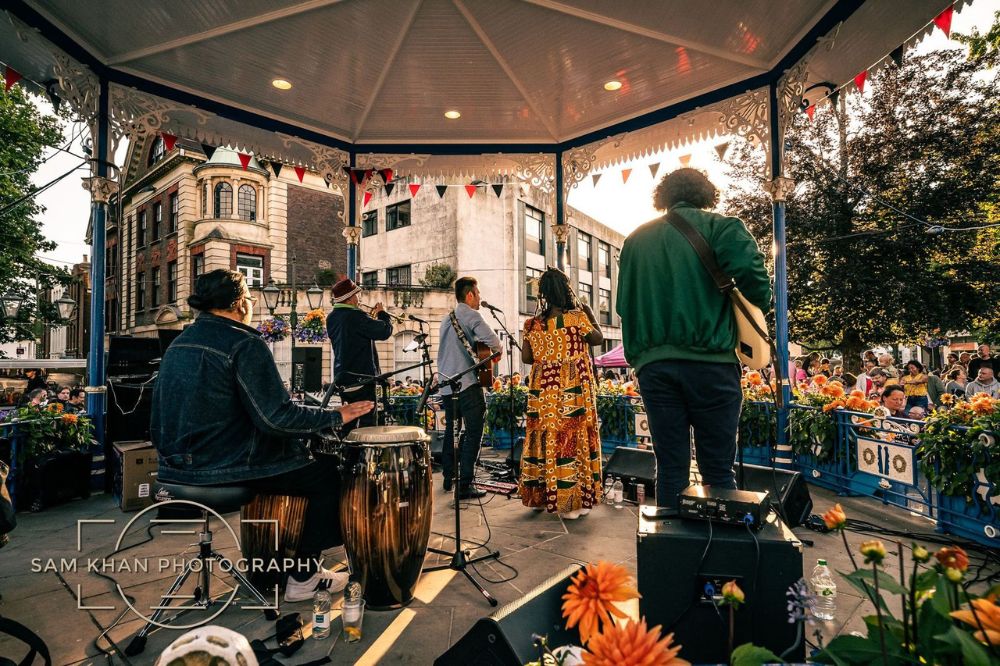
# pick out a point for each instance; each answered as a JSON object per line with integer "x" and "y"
{"x": 757, "y": 455}
{"x": 53, "y": 479}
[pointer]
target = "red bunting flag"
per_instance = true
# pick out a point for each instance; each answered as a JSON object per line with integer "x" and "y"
{"x": 300, "y": 172}
{"x": 367, "y": 198}
{"x": 943, "y": 20}
{"x": 859, "y": 80}
{"x": 10, "y": 78}
{"x": 169, "y": 141}
{"x": 386, "y": 175}
{"x": 244, "y": 160}
{"x": 625, "y": 174}
{"x": 414, "y": 188}
{"x": 368, "y": 173}
{"x": 810, "y": 111}
{"x": 471, "y": 189}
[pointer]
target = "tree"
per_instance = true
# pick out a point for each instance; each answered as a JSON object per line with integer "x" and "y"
{"x": 885, "y": 185}
{"x": 979, "y": 45}
{"x": 27, "y": 134}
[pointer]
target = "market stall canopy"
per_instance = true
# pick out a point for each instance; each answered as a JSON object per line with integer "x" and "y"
{"x": 612, "y": 359}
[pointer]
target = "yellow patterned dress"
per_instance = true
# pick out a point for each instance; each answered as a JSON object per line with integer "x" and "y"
{"x": 561, "y": 463}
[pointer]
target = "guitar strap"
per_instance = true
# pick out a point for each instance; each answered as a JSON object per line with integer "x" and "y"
{"x": 462, "y": 338}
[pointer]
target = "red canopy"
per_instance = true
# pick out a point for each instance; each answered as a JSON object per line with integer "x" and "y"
{"x": 613, "y": 359}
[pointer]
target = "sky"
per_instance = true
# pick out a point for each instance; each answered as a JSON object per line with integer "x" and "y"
{"x": 622, "y": 206}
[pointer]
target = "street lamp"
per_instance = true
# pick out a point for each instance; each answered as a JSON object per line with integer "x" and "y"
{"x": 11, "y": 304}
{"x": 271, "y": 294}
{"x": 314, "y": 296}
{"x": 66, "y": 306}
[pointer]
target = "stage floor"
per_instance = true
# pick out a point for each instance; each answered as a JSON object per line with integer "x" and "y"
{"x": 537, "y": 545}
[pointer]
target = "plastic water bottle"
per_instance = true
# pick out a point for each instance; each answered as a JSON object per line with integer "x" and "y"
{"x": 321, "y": 615}
{"x": 640, "y": 493}
{"x": 618, "y": 490}
{"x": 609, "y": 483}
{"x": 825, "y": 590}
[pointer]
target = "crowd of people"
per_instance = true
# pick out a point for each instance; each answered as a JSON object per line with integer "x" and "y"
{"x": 42, "y": 393}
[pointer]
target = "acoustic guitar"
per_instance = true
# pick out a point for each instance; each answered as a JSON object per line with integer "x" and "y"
{"x": 487, "y": 374}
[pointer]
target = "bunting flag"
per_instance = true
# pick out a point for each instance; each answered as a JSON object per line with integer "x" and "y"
{"x": 625, "y": 174}
{"x": 10, "y": 77}
{"x": 685, "y": 160}
{"x": 897, "y": 56}
{"x": 859, "y": 80}
{"x": 208, "y": 150}
{"x": 389, "y": 187}
{"x": 244, "y": 160}
{"x": 943, "y": 20}
{"x": 414, "y": 188}
{"x": 367, "y": 174}
{"x": 169, "y": 140}
{"x": 441, "y": 190}
{"x": 498, "y": 189}
{"x": 721, "y": 149}
{"x": 300, "y": 172}
{"x": 653, "y": 168}
{"x": 351, "y": 174}
{"x": 367, "y": 198}
{"x": 810, "y": 111}
{"x": 276, "y": 168}
{"x": 596, "y": 177}
{"x": 471, "y": 189}
{"x": 386, "y": 175}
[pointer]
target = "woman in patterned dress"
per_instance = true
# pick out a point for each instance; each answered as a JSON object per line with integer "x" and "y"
{"x": 561, "y": 462}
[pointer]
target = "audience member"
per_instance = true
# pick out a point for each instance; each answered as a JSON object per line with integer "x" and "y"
{"x": 985, "y": 382}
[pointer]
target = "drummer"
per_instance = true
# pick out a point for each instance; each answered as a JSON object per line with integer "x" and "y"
{"x": 221, "y": 416}
{"x": 353, "y": 334}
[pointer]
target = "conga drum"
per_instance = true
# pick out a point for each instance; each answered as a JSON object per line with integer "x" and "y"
{"x": 385, "y": 510}
{"x": 270, "y": 530}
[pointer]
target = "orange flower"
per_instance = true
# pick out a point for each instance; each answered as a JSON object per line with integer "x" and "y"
{"x": 69, "y": 418}
{"x": 982, "y": 406}
{"x": 516, "y": 380}
{"x": 857, "y": 393}
{"x": 835, "y": 518}
{"x": 819, "y": 380}
{"x": 55, "y": 407}
{"x": 988, "y": 614}
{"x": 497, "y": 385}
{"x": 591, "y": 595}
{"x": 754, "y": 378}
{"x": 953, "y": 557}
{"x": 632, "y": 645}
{"x": 836, "y": 404}
{"x": 855, "y": 403}
{"x": 834, "y": 390}
{"x": 732, "y": 594}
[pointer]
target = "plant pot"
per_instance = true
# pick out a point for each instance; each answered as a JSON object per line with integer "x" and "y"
{"x": 53, "y": 479}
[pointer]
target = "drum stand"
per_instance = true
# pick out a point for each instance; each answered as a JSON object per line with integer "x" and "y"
{"x": 459, "y": 559}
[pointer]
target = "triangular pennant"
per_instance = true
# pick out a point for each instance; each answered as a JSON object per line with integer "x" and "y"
{"x": 859, "y": 80}
{"x": 414, "y": 188}
{"x": 208, "y": 150}
{"x": 897, "y": 55}
{"x": 653, "y": 168}
{"x": 10, "y": 77}
{"x": 389, "y": 187}
{"x": 471, "y": 189}
{"x": 276, "y": 168}
{"x": 441, "y": 190}
{"x": 386, "y": 174}
{"x": 244, "y": 160}
{"x": 596, "y": 177}
{"x": 943, "y": 20}
{"x": 721, "y": 149}
{"x": 350, "y": 174}
{"x": 685, "y": 160}
{"x": 300, "y": 171}
{"x": 169, "y": 141}
{"x": 367, "y": 198}
{"x": 498, "y": 189}
{"x": 625, "y": 174}
{"x": 367, "y": 173}
{"x": 811, "y": 111}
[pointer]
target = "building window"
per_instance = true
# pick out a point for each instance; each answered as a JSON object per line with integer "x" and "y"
{"x": 174, "y": 212}
{"x": 197, "y": 265}
{"x": 369, "y": 279}
{"x": 583, "y": 250}
{"x": 141, "y": 231}
{"x": 252, "y": 266}
{"x": 369, "y": 223}
{"x": 398, "y": 275}
{"x": 154, "y": 292}
{"x": 157, "y": 151}
{"x": 247, "y": 203}
{"x": 204, "y": 200}
{"x": 604, "y": 305}
{"x": 223, "y": 200}
{"x": 111, "y": 315}
{"x": 406, "y": 352}
{"x": 157, "y": 221}
{"x": 172, "y": 282}
{"x": 534, "y": 230}
{"x": 586, "y": 294}
{"x": 397, "y": 215}
{"x": 140, "y": 291}
{"x": 531, "y": 276}
{"x": 604, "y": 258}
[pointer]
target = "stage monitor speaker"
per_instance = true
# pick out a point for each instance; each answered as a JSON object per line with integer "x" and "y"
{"x": 672, "y": 578}
{"x": 629, "y": 463}
{"x": 787, "y": 488}
{"x": 128, "y": 355}
{"x": 514, "y": 458}
{"x": 166, "y": 336}
{"x": 504, "y": 638}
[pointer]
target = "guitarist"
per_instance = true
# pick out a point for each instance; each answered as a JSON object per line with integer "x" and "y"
{"x": 461, "y": 330}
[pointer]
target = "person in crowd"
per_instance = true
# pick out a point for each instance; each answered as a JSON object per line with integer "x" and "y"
{"x": 916, "y": 413}
{"x": 879, "y": 380}
{"x": 824, "y": 367}
{"x": 221, "y": 416}
{"x": 964, "y": 359}
{"x": 984, "y": 357}
{"x": 935, "y": 389}
{"x": 950, "y": 362}
{"x": 914, "y": 382}
{"x": 36, "y": 379}
{"x": 679, "y": 333}
{"x": 800, "y": 371}
{"x": 957, "y": 379}
{"x": 37, "y": 397}
{"x": 813, "y": 365}
{"x": 460, "y": 330}
{"x": 885, "y": 361}
{"x": 837, "y": 371}
{"x": 62, "y": 395}
{"x": 864, "y": 381}
{"x": 76, "y": 403}
{"x": 561, "y": 463}
{"x": 849, "y": 380}
{"x": 985, "y": 382}
{"x": 894, "y": 399}
{"x": 353, "y": 334}
{"x": 869, "y": 355}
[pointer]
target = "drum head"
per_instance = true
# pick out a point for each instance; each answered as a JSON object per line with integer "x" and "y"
{"x": 386, "y": 435}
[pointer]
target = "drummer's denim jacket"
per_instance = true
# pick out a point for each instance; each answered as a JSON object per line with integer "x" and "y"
{"x": 221, "y": 413}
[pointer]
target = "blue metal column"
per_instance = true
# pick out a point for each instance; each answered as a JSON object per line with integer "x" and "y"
{"x": 560, "y": 215}
{"x": 777, "y": 189}
{"x": 352, "y": 211}
{"x": 99, "y": 193}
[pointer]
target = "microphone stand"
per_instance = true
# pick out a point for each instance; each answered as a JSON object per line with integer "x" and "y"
{"x": 511, "y": 343}
{"x": 459, "y": 560}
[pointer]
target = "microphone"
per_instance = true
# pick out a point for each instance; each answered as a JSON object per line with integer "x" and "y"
{"x": 490, "y": 307}
{"x": 417, "y": 319}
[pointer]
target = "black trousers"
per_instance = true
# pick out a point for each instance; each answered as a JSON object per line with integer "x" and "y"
{"x": 470, "y": 407}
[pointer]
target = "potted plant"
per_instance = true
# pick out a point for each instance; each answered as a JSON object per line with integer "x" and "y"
{"x": 312, "y": 327}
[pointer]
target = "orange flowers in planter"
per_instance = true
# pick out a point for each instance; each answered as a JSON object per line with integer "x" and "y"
{"x": 819, "y": 380}
{"x": 754, "y": 378}
{"x": 835, "y": 518}
{"x": 632, "y": 645}
{"x": 590, "y": 599}
{"x": 69, "y": 418}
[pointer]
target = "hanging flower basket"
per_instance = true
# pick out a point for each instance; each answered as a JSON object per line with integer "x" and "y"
{"x": 275, "y": 329}
{"x": 312, "y": 327}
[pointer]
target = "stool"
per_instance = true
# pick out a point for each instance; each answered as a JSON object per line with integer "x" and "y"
{"x": 218, "y": 499}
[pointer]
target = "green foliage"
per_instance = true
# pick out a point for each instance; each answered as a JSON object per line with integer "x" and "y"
{"x": 981, "y": 45}
{"x": 498, "y": 409}
{"x": 48, "y": 430}
{"x": 749, "y": 654}
{"x": 617, "y": 416}
{"x": 812, "y": 432}
{"x": 954, "y": 446}
{"x": 439, "y": 276}
{"x": 758, "y": 425}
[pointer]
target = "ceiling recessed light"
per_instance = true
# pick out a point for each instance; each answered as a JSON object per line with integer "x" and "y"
{"x": 612, "y": 86}
{"x": 452, "y": 115}
{"x": 281, "y": 84}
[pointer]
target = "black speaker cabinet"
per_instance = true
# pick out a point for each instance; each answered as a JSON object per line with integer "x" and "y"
{"x": 633, "y": 466}
{"x": 786, "y": 487}
{"x": 672, "y": 585}
{"x": 504, "y": 638}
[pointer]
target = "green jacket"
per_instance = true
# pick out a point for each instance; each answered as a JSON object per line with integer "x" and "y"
{"x": 669, "y": 306}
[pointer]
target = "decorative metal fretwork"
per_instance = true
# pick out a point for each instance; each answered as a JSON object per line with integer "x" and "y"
{"x": 536, "y": 169}
{"x": 136, "y": 114}
{"x": 779, "y": 188}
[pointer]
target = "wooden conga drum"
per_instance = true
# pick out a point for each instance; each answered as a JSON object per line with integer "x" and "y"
{"x": 385, "y": 510}
{"x": 259, "y": 520}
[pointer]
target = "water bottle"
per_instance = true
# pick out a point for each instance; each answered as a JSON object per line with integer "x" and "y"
{"x": 825, "y": 590}
{"x": 321, "y": 615}
{"x": 609, "y": 483}
{"x": 618, "y": 490}
{"x": 640, "y": 493}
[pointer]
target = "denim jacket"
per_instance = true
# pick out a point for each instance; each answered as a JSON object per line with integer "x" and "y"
{"x": 221, "y": 413}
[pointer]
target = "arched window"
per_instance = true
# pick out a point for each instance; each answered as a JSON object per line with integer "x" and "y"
{"x": 157, "y": 151}
{"x": 223, "y": 200}
{"x": 247, "y": 203}
{"x": 406, "y": 351}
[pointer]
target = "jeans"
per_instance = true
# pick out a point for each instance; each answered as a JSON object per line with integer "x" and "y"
{"x": 470, "y": 407}
{"x": 680, "y": 395}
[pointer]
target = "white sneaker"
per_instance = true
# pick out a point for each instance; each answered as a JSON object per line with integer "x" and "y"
{"x": 570, "y": 515}
{"x": 331, "y": 581}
